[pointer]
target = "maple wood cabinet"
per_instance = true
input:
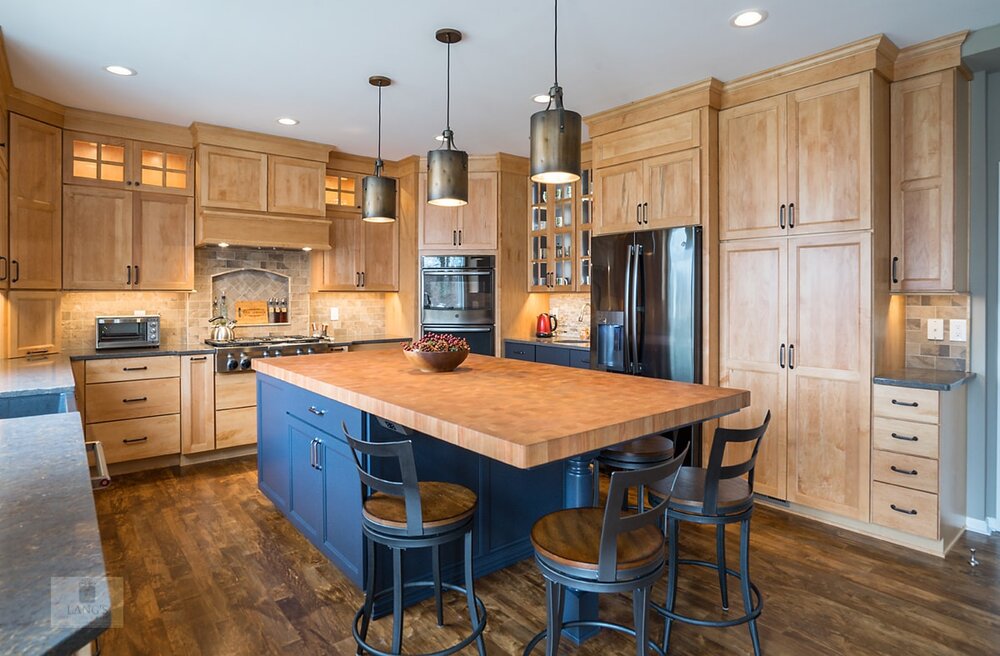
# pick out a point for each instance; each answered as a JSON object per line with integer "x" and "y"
{"x": 929, "y": 203}
{"x": 117, "y": 239}
{"x": 235, "y": 179}
{"x": 197, "y": 403}
{"x": 470, "y": 227}
{"x": 34, "y": 324}
{"x": 296, "y": 186}
{"x": 35, "y": 205}
{"x": 364, "y": 256}
{"x": 4, "y": 229}
{"x": 561, "y": 223}
{"x": 798, "y": 163}
{"x": 117, "y": 163}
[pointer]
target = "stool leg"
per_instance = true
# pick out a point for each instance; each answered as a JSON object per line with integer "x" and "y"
{"x": 436, "y": 566}
{"x": 369, "y": 591}
{"x": 720, "y": 552}
{"x": 745, "y": 581}
{"x": 673, "y": 529}
{"x": 554, "y": 595}
{"x": 470, "y": 594}
{"x": 597, "y": 484}
{"x": 640, "y": 611}
{"x": 397, "y": 601}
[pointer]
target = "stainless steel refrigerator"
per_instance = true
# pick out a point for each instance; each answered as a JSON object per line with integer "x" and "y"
{"x": 646, "y": 307}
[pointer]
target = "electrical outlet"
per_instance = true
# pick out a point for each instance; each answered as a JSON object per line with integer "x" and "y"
{"x": 956, "y": 330}
{"x": 935, "y": 329}
{"x": 334, "y": 314}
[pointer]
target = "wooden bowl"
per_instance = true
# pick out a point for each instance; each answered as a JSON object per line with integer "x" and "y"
{"x": 436, "y": 362}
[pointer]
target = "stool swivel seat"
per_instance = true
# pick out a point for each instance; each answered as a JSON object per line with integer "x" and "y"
{"x": 604, "y": 550}
{"x": 716, "y": 496}
{"x": 409, "y": 514}
{"x": 635, "y": 454}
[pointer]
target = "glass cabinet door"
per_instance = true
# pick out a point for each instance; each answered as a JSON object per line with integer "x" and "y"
{"x": 164, "y": 169}
{"x": 539, "y": 239}
{"x": 95, "y": 160}
{"x": 585, "y": 228}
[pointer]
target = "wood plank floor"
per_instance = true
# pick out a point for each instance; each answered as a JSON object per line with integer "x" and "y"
{"x": 210, "y": 567}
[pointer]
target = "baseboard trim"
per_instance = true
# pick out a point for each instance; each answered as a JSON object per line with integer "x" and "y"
{"x": 980, "y": 526}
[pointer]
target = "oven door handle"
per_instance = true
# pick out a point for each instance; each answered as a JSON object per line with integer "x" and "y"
{"x": 458, "y": 272}
{"x": 457, "y": 329}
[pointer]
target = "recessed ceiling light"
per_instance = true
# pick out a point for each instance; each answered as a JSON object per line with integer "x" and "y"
{"x": 748, "y": 18}
{"x": 542, "y": 98}
{"x": 120, "y": 70}
{"x": 223, "y": 244}
{"x": 288, "y": 120}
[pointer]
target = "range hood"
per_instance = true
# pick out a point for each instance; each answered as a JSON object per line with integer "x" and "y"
{"x": 214, "y": 227}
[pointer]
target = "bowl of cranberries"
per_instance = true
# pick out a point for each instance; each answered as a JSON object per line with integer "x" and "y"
{"x": 437, "y": 352}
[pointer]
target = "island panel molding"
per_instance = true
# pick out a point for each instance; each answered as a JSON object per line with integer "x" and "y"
{"x": 489, "y": 405}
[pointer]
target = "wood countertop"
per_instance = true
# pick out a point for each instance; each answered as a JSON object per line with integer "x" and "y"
{"x": 521, "y": 413}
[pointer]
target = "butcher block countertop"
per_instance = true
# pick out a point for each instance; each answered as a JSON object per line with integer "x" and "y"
{"x": 521, "y": 413}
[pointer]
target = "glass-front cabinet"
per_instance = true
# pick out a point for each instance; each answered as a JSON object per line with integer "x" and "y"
{"x": 105, "y": 161}
{"x": 342, "y": 191}
{"x": 559, "y": 240}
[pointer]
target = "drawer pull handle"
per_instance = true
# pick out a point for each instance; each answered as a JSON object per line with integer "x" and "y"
{"x": 908, "y": 472}
{"x": 901, "y": 510}
{"x": 135, "y": 400}
{"x": 316, "y": 411}
{"x": 134, "y": 368}
{"x": 37, "y": 351}
{"x": 908, "y": 438}
{"x": 201, "y": 359}
{"x": 135, "y": 440}
{"x": 908, "y": 404}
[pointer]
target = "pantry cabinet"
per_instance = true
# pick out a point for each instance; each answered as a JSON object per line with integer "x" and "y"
{"x": 35, "y": 205}
{"x": 364, "y": 256}
{"x": 34, "y": 323}
{"x": 468, "y": 228}
{"x": 117, "y": 163}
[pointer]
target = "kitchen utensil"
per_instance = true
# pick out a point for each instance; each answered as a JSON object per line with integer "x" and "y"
{"x": 546, "y": 325}
{"x": 223, "y": 331}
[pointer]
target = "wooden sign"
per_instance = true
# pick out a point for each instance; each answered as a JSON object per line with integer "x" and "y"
{"x": 251, "y": 312}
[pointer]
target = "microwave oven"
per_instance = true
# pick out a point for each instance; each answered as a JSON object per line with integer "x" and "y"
{"x": 128, "y": 332}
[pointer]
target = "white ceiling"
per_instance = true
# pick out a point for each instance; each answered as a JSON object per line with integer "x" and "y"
{"x": 243, "y": 63}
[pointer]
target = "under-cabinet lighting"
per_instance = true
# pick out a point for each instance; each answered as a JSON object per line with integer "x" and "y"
{"x": 223, "y": 244}
{"x": 307, "y": 248}
{"x": 748, "y": 18}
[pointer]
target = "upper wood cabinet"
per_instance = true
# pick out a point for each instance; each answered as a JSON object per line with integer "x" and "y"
{"x": 364, "y": 256}
{"x": 559, "y": 233}
{"x": 798, "y": 163}
{"x": 232, "y": 179}
{"x": 929, "y": 202}
{"x": 163, "y": 242}
{"x": 471, "y": 227}
{"x": 4, "y": 243}
{"x": 34, "y": 324}
{"x": 35, "y": 204}
{"x": 296, "y": 186}
{"x": 113, "y": 162}
{"x": 342, "y": 191}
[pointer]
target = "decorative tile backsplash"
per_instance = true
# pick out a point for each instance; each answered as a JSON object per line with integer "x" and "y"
{"x": 935, "y": 354}
{"x": 573, "y": 312}
{"x": 361, "y": 314}
{"x": 79, "y": 309}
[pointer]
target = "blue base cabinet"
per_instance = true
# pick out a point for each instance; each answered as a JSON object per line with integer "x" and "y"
{"x": 564, "y": 356}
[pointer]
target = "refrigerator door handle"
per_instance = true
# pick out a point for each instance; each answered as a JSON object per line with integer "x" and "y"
{"x": 634, "y": 311}
{"x": 627, "y": 336}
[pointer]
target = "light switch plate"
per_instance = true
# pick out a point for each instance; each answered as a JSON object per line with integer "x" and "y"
{"x": 935, "y": 329}
{"x": 334, "y": 314}
{"x": 957, "y": 328}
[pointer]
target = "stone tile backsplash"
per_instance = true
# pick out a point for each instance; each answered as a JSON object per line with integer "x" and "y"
{"x": 935, "y": 354}
{"x": 572, "y": 311}
{"x": 361, "y": 314}
{"x": 79, "y": 309}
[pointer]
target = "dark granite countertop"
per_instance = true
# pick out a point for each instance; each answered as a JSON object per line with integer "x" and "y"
{"x": 553, "y": 341}
{"x": 165, "y": 348}
{"x": 48, "y": 530}
{"x": 49, "y": 374}
{"x": 931, "y": 379}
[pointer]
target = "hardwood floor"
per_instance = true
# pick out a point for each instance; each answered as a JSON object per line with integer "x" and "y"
{"x": 210, "y": 567}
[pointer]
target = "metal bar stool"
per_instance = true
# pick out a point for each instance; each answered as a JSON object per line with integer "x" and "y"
{"x": 409, "y": 514}
{"x": 607, "y": 550}
{"x": 716, "y": 496}
{"x": 636, "y": 454}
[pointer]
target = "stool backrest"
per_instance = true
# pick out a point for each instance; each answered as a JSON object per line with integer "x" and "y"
{"x": 718, "y": 472}
{"x": 407, "y": 487}
{"x": 616, "y": 523}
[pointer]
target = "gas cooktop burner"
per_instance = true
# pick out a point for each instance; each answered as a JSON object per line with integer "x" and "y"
{"x": 235, "y": 355}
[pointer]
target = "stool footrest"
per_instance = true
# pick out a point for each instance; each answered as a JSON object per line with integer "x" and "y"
{"x": 752, "y": 613}
{"x": 620, "y": 628}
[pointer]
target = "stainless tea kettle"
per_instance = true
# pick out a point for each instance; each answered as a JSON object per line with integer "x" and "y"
{"x": 223, "y": 331}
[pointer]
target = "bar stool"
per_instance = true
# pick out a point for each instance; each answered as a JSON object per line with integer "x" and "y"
{"x": 636, "y": 454}
{"x": 604, "y": 550}
{"x": 715, "y": 496}
{"x": 408, "y": 514}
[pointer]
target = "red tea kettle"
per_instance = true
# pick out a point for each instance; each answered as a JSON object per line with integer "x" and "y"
{"x": 546, "y": 325}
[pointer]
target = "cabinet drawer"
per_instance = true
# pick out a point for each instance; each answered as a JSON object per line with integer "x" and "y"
{"x": 235, "y": 390}
{"x": 909, "y": 437}
{"x": 235, "y": 427}
{"x": 518, "y": 351}
{"x": 906, "y": 403}
{"x": 903, "y": 509}
{"x": 119, "y": 369}
{"x": 133, "y": 439}
{"x": 133, "y": 399}
{"x": 552, "y": 355}
{"x": 899, "y": 469}
{"x": 579, "y": 359}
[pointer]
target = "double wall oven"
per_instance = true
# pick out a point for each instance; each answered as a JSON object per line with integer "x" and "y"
{"x": 459, "y": 297}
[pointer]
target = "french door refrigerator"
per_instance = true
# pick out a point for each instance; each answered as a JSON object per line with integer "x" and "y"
{"x": 646, "y": 309}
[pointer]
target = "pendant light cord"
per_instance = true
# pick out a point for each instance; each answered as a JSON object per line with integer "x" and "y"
{"x": 380, "y": 122}
{"x": 555, "y": 43}
{"x": 447, "y": 104}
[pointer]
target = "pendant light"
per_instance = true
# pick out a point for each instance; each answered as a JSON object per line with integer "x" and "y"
{"x": 447, "y": 168}
{"x": 378, "y": 193}
{"x": 555, "y": 132}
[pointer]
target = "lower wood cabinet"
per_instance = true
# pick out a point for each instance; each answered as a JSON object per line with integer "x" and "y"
{"x": 134, "y": 439}
{"x": 197, "y": 403}
{"x": 33, "y": 323}
{"x": 235, "y": 409}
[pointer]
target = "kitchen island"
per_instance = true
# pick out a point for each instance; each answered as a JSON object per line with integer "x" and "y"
{"x": 519, "y": 434}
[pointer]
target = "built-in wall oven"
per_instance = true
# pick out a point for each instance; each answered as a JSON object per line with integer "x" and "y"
{"x": 458, "y": 296}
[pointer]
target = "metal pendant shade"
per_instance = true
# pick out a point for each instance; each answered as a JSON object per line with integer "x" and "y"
{"x": 378, "y": 193}
{"x": 555, "y": 133}
{"x": 448, "y": 168}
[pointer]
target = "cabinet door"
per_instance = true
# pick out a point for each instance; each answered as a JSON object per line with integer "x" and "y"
{"x": 339, "y": 269}
{"x": 380, "y": 256}
{"x": 619, "y": 194}
{"x": 925, "y": 228}
{"x": 478, "y": 225}
{"x": 164, "y": 169}
{"x": 97, "y": 238}
{"x": 752, "y": 156}
{"x": 829, "y": 373}
{"x": 306, "y": 498}
{"x": 295, "y": 186}
{"x": 197, "y": 403}
{"x": 672, "y": 190}
{"x": 232, "y": 179}
{"x": 35, "y": 204}
{"x": 752, "y": 329}
{"x": 342, "y": 538}
{"x": 830, "y": 156}
{"x": 33, "y": 323}
{"x": 438, "y": 225}
{"x": 4, "y": 243}
{"x": 163, "y": 243}
{"x": 90, "y": 159}
{"x": 273, "y": 464}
